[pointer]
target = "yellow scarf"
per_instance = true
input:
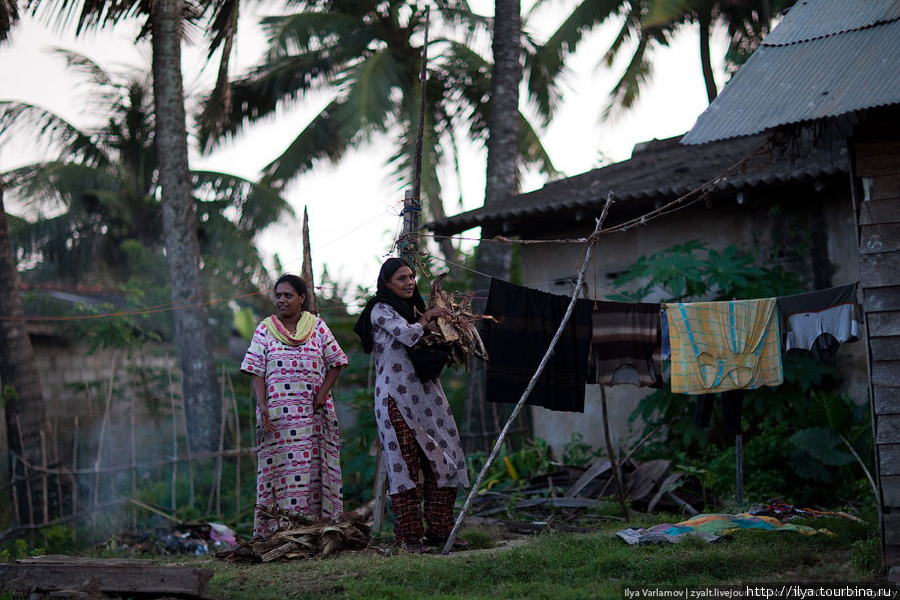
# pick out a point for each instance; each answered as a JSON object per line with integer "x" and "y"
{"x": 305, "y": 327}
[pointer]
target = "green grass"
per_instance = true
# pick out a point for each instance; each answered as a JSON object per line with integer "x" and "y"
{"x": 554, "y": 566}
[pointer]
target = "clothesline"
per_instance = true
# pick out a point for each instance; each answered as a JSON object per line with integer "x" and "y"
{"x": 715, "y": 346}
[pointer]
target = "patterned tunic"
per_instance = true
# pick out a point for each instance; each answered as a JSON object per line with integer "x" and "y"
{"x": 423, "y": 406}
{"x": 298, "y": 465}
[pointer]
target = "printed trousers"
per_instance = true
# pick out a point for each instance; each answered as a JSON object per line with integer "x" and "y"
{"x": 438, "y": 502}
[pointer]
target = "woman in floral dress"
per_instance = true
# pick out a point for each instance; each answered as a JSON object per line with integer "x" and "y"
{"x": 416, "y": 426}
{"x": 294, "y": 361}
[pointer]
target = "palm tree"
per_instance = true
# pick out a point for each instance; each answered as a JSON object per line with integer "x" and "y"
{"x": 652, "y": 23}
{"x": 367, "y": 54}
{"x": 20, "y": 387}
{"x": 166, "y": 21}
{"x": 102, "y": 190}
{"x": 501, "y": 180}
{"x": 107, "y": 182}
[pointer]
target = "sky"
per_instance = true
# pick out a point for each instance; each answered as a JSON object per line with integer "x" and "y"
{"x": 354, "y": 207}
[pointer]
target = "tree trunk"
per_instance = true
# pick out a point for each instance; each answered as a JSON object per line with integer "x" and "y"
{"x": 20, "y": 389}
{"x": 199, "y": 383}
{"x": 704, "y": 19}
{"x": 494, "y": 259}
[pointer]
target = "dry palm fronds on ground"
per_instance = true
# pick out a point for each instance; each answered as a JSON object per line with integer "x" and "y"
{"x": 458, "y": 334}
{"x": 299, "y": 536}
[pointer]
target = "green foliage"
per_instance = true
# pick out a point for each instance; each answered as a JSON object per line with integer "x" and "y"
{"x": 7, "y": 394}
{"x": 865, "y": 555}
{"x": 792, "y": 434}
{"x": 58, "y": 539}
{"x": 695, "y": 271}
{"x": 511, "y": 467}
{"x": 578, "y": 453}
{"x": 557, "y": 566}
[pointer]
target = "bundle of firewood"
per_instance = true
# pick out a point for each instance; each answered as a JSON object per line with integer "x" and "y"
{"x": 299, "y": 536}
{"x": 458, "y": 334}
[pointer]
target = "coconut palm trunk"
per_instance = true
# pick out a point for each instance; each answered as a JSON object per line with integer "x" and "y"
{"x": 493, "y": 259}
{"x": 704, "y": 19}
{"x": 28, "y": 428}
{"x": 199, "y": 383}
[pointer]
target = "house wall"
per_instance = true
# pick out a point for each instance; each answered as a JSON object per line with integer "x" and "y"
{"x": 811, "y": 234}
{"x": 877, "y": 154}
{"x": 76, "y": 386}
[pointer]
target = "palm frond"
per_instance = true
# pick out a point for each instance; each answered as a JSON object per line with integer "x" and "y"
{"x": 323, "y": 139}
{"x": 627, "y": 90}
{"x": 564, "y": 41}
{"x": 532, "y": 152}
{"x": 467, "y": 75}
{"x": 285, "y": 74}
{"x": 336, "y": 37}
{"x": 47, "y": 130}
{"x": 369, "y": 85}
{"x": 666, "y": 12}
{"x": 9, "y": 17}
{"x": 543, "y": 85}
{"x": 56, "y": 184}
{"x": 87, "y": 14}
{"x": 251, "y": 206}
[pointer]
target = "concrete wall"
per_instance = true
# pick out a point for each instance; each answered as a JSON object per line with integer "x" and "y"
{"x": 813, "y": 236}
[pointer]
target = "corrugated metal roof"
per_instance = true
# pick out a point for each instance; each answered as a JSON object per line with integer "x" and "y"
{"x": 662, "y": 171}
{"x": 809, "y": 20}
{"x": 815, "y": 71}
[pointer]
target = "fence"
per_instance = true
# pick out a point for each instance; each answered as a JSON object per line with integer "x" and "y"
{"x": 136, "y": 451}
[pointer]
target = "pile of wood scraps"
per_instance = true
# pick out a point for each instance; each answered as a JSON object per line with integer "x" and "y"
{"x": 574, "y": 495}
{"x": 302, "y": 537}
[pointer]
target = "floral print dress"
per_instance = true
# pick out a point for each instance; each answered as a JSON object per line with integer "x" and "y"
{"x": 423, "y": 406}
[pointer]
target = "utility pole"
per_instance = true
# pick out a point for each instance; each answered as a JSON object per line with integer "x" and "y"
{"x": 408, "y": 242}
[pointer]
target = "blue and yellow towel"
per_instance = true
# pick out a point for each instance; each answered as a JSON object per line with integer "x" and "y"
{"x": 720, "y": 346}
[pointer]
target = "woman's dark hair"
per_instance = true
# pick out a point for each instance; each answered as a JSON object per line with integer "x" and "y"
{"x": 297, "y": 283}
{"x": 390, "y": 266}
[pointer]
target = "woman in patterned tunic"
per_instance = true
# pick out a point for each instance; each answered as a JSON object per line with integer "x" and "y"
{"x": 419, "y": 437}
{"x": 294, "y": 361}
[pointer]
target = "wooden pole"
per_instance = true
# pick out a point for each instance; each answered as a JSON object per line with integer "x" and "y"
{"x": 59, "y": 485}
{"x": 15, "y": 490}
{"x": 174, "y": 444}
{"x": 219, "y": 459}
{"x": 103, "y": 425}
{"x": 420, "y": 134}
{"x": 28, "y": 494}
{"x": 613, "y": 463}
{"x": 408, "y": 242}
{"x": 75, "y": 477}
{"x": 380, "y": 489}
{"x": 45, "y": 488}
{"x": 306, "y": 271}
{"x": 739, "y": 467}
{"x": 237, "y": 434}
{"x": 134, "y": 404}
{"x": 592, "y": 241}
{"x": 190, "y": 461}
